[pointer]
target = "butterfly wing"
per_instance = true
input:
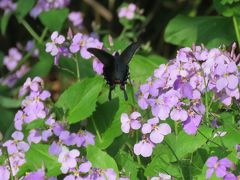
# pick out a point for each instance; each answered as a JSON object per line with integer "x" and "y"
{"x": 106, "y": 58}
{"x": 128, "y": 53}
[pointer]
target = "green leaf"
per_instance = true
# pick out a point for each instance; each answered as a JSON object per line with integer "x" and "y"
{"x": 54, "y": 19}
{"x": 37, "y": 157}
{"x": 23, "y": 7}
{"x": 6, "y": 121}
{"x": 227, "y": 10}
{"x": 114, "y": 129}
{"x": 184, "y": 143}
{"x": 129, "y": 166}
{"x": 100, "y": 159}
{"x": 160, "y": 165}
{"x": 4, "y": 22}
{"x": 79, "y": 100}
{"x": 142, "y": 67}
{"x": 213, "y": 31}
{"x": 38, "y": 123}
{"x": 228, "y": 1}
{"x": 9, "y": 102}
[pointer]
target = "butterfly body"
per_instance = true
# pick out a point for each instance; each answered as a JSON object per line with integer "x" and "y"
{"x": 116, "y": 69}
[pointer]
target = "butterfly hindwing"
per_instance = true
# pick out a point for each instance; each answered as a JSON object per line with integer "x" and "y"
{"x": 106, "y": 58}
{"x": 128, "y": 53}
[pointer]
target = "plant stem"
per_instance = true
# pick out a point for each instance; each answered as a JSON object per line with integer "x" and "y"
{"x": 237, "y": 29}
{"x": 176, "y": 127}
{"x": 67, "y": 70}
{"x": 179, "y": 163}
{"x": 211, "y": 140}
{"x": 44, "y": 33}
{"x": 77, "y": 67}
{"x": 31, "y": 31}
{"x": 96, "y": 129}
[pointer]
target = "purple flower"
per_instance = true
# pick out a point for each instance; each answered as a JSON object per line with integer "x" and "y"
{"x": 55, "y": 148}
{"x": 46, "y": 134}
{"x": 11, "y": 61}
{"x": 219, "y": 166}
{"x": 83, "y": 138}
{"x": 85, "y": 167}
{"x": 67, "y": 138}
{"x": 97, "y": 66}
{"x": 30, "y": 46}
{"x": 190, "y": 125}
{"x": 34, "y": 136}
{"x": 76, "y": 18}
{"x": 127, "y": 12}
{"x": 178, "y": 113}
{"x": 68, "y": 159}
{"x": 8, "y": 6}
{"x": 81, "y": 42}
{"x": 130, "y": 122}
{"x": 57, "y": 128}
{"x": 230, "y": 176}
{"x": 157, "y": 132}
{"x": 102, "y": 174}
{"x": 34, "y": 85}
{"x": 53, "y": 47}
{"x": 16, "y": 161}
{"x": 226, "y": 78}
{"x": 46, "y": 5}
{"x": 144, "y": 148}
{"x": 184, "y": 87}
{"x": 39, "y": 175}
{"x": 4, "y": 173}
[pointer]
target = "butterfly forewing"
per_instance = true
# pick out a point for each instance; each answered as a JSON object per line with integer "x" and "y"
{"x": 106, "y": 58}
{"x": 128, "y": 53}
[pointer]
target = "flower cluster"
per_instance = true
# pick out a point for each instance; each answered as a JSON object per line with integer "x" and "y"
{"x": 175, "y": 89}
{"x": 16, "y": 149}
{"x": 220, "y": 167}
{"x": 153, "y": 132}
{"x": 11, "y": 61}
{"x": 127, "y": 12}
{"x": 76, "y": 18}
{"x": 33, "y": 105}
{"x": 72, "y": 45}
{"x": 46, "y": 5}
{"x": 11, "y": 79}
{"x": 8, "y": 6}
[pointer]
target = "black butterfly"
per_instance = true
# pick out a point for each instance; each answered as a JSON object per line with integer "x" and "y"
{"x": 116, "y": 70}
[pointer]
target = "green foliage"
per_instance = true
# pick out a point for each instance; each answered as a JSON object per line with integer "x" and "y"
{"x": 212, "y": 31}
{"x": 54, "y": 19}
{"x": 37, "y": 157}
{"x": 227, "y": 9}
{"x": 142, "y": 67}
{"x": 4, "y": 22}
{"x": 23, "y": 7}
{"x": 79, "y": 100}
{"x": 7, "y": 102}
{"x": 6, "y": 121}
{"x": 128, "y": 165}
{"x": 100, "y": 158}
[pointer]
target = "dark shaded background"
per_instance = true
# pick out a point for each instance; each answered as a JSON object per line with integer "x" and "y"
{"x": 158, "y": 13}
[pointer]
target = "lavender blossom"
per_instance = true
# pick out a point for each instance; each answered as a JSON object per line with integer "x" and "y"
{"x": 46, "y": 5}
{"x": 11, "y": 61}
{"x": 8, "y": 6}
